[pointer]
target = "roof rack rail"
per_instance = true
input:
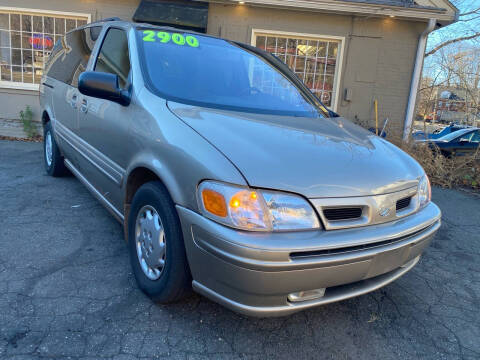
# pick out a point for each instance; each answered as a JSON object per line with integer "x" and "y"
{"x": 106, "y": 19}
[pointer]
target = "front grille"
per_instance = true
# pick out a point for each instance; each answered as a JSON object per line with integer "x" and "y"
{"x": 346, "y": 213}
{"x": 403, "y": 203}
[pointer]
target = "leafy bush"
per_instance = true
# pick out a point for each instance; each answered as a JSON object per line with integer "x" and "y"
{"x": 28, "y": 125}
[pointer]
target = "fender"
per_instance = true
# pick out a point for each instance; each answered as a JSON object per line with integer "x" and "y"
{"x": 151, "y": 162}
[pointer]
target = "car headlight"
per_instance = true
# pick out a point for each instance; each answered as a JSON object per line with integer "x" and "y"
{"x": 424, "y": 191}
{"x": 256, "y": 210}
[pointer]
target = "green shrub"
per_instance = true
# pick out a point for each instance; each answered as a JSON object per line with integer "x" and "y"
{"x": 28, "y": 125}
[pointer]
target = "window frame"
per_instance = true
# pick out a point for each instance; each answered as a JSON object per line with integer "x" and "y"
{"x": 84, "y": 28}
{"x": 476, "y": 133}
{"x": 36, "y": 12}
{"x": 340, "y": 56}
{"x": 103, "y": 36}
{"x": 470, "y": 135}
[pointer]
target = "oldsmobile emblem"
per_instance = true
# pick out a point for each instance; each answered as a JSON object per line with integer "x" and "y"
{"x": 384, "y": 212}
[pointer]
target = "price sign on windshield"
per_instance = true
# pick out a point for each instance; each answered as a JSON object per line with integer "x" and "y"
{"x": 166, "y": 37}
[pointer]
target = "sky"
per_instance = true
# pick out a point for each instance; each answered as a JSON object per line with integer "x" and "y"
{"x": 467, "y": 25}
{"x": 460, "y": 28}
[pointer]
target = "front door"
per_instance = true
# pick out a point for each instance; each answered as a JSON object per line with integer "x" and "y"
{"x": 104, "y": 125}
{"x": 466, "y": 144}
{"x": 474, "y": 142}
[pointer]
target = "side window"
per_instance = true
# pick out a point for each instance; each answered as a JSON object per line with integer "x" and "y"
{"x": 113, "y": 57}
{"x": 70, "y": 55}
{"x": 466, "y": 137}
{"x": 476, "y": 137}
{"x": 53, "y": 64}
{"x": 84, "y": 41}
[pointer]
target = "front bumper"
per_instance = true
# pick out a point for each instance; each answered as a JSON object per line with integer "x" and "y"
{"x": 253, "y": 273}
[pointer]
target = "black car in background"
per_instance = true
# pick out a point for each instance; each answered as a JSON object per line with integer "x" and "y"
{"x": 458, "y": 143}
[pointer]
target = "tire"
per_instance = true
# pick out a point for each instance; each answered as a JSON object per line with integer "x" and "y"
{"x": 52, "y": 158}
{"x": 152, "y": 202}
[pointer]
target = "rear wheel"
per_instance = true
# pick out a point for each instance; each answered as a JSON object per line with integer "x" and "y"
{"x": 53, "y": 159}
{"x": 155, "y": 241}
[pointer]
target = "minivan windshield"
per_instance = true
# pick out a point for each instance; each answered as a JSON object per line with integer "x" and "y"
{"x": 210, "y": 72}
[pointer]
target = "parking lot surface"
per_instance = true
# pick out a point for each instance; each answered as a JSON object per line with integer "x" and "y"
{"x": 67, "y": 291}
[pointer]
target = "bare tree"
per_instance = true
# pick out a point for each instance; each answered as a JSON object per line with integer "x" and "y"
{"x": 452, "y": 66}
{"x": 450, "y": 86}
{"x": 467, "y": 28}
{"x": 451, "y": 41}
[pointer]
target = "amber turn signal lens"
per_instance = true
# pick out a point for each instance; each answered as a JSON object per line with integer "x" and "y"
{"x": 214, "y": 203}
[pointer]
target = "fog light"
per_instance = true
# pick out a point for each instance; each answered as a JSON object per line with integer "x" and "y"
{"x": 306, "y": 295}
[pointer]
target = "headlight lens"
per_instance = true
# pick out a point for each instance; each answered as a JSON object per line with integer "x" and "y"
{"x": 424, "y": 191}
{"x": 255, "y": 210}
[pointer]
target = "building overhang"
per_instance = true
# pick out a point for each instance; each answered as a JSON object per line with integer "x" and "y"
{"x": 183, "y": 14}
{"x": 423, "y": 10}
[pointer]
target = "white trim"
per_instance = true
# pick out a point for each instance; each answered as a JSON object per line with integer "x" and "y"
{"x": 416, "y": 75}
{"x": 37, "y": 12}
{"x": 338, "y": 67}
{"x": 293, "y": 34}
{"x": 46, "y": 12}
{"x": 18, "y": 85}
{"x": 343, "y": 7}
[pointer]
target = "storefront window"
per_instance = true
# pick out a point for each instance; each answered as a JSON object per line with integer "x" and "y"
{"x": 314, "y": 60}
{"x": 26, "y": 40}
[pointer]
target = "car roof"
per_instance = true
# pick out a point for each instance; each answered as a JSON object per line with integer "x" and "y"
{"x": 462, "y": 132}
{"x": 120, "y": 22}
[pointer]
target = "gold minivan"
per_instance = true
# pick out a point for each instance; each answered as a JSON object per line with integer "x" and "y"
{"x": 227, "y": 173}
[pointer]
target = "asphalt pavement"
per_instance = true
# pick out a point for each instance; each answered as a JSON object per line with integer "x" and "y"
{"x": 67, "y": 291}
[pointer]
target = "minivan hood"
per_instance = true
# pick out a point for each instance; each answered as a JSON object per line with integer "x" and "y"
{"x": 315, "y": 157}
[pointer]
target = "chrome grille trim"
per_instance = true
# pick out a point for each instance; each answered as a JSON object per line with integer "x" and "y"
{"x": 376, "y": 209}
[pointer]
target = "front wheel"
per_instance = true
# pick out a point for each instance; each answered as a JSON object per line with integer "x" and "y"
{"x": 155, "y": 242}
{"x": 53, "y": 159}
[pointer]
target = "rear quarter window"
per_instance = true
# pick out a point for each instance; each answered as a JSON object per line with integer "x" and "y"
{"x": 70, "y": 55}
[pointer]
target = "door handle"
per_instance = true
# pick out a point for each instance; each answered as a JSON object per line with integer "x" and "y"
{"x": 84, "y": 106}
{"x": 73, "y": 102}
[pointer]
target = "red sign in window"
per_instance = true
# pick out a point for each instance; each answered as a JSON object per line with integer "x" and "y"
{"x": 40, "y": 42}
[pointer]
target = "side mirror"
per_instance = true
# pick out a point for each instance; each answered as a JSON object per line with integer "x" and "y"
{"x": 104, "y": 86}
{"x": 464, "y": 141}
